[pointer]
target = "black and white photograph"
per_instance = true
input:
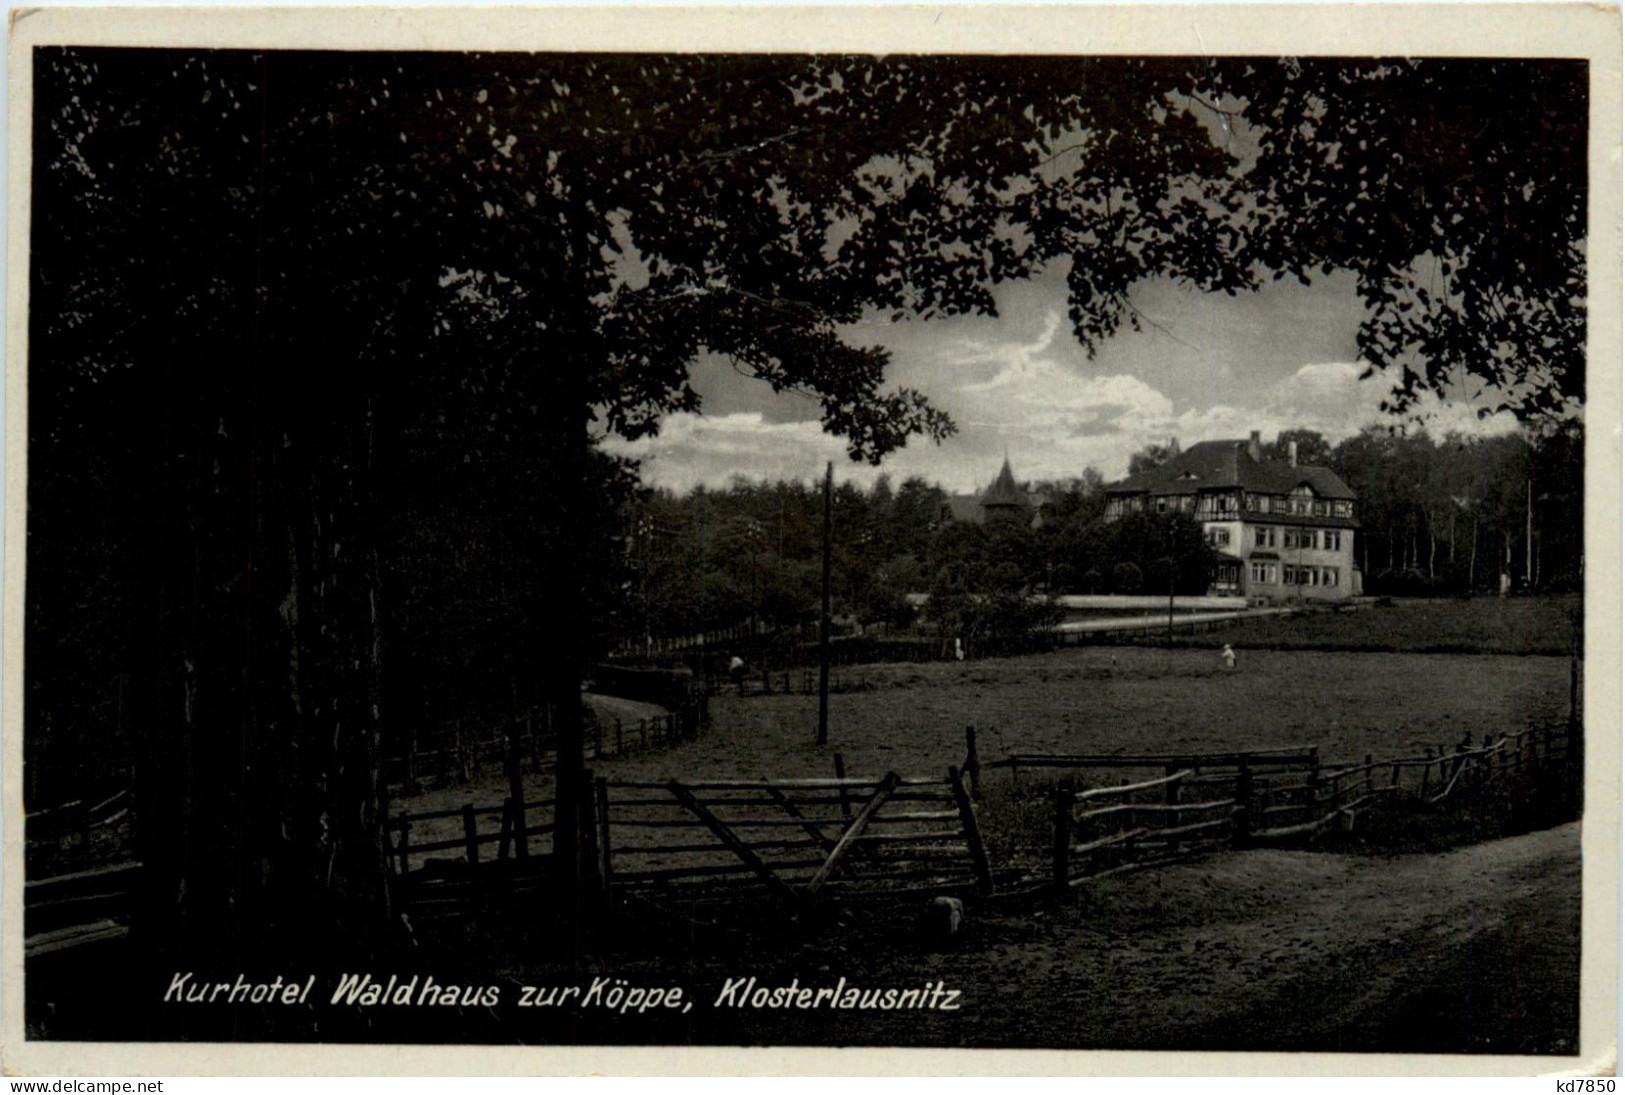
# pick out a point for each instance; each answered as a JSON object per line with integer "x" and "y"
{"x": 973, "y": 544}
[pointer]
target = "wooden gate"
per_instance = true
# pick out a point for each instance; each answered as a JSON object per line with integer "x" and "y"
{"x": 800, "y": 838}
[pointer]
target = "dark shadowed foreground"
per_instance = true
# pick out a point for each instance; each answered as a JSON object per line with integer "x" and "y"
{"x": 1475, "y": 950}
{"x": 1472, "y": 950}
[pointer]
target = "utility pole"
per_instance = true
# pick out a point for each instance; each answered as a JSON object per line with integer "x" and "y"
{"x": 1173, "y": 570}
{"x": 1529, "y": 534}
{"x": 823, "y": 620}
{"x": 754, "y": 531}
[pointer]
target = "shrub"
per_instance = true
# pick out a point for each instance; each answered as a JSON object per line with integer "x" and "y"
{"x": 1127, "y": 578}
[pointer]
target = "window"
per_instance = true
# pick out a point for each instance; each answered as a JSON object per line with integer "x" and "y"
{"x": 1264, "y": 573}
{"x": 1289, "y": 538}
{"x": 1280, "y": 505}
{"x": 1343, "y": 509}
{"x": 1320, "y": 509}
{"x": 1328, "y": 576}
{"x": 1334, "y": 541}
{"x": 1263, "y": 537}
{"x": 1162, "y": 505}
{"x": 1306, "y": 538}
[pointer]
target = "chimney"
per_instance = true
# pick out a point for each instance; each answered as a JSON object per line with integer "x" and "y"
{"x": 1292, "y": 453}
{"x": 1254, "y": 446}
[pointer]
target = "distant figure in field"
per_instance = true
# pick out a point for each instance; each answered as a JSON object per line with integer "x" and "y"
{"x": 736, "y": 672}
{"x": 959, "y": 650}
{"x": 1229, "y": 657}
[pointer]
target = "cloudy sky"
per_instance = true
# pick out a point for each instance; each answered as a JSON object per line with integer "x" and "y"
{"x": 1204, "y": 366}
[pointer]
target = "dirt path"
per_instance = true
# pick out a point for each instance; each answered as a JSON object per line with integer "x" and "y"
{"x": 1473, "y": 950}
{"x": 618, "y": 707}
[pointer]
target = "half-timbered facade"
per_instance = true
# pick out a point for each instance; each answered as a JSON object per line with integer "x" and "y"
{"x": 1283, "y": 531}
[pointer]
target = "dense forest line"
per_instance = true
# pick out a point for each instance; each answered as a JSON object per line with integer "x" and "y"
{"x": 1437, "y": 516}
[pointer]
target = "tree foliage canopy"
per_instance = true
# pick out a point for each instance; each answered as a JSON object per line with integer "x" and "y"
{"x": 297, "y": 317}
{"x": 617, "y": 215}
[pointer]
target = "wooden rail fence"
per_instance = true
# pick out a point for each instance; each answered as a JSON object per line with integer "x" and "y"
{"x": 799, "y": 838}
{"x": 802, "y": 839}
{"x": 1513, "y": 762}
{"x": 786, "y": 682}
{"x": 55, "y": 822}
{"x": 1219, "y": 765}
{"x": 459, "y": 753}
{"x": 468, "y": 829}
{"x": 69, "y": 911}
{"x": 1263, "y": 797}
{"x": 1136, "y": 825}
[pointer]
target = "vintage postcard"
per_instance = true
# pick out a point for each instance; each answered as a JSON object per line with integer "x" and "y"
{"x": 732, "y": 540}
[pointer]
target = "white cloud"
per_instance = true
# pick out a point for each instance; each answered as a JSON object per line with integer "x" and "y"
{"x": 1331, "y": 397}
{"x": 1050, "y": 416}
{"x": 692, "y": 449}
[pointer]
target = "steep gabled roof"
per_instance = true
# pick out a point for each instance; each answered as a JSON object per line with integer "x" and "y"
{"x": 1218, "y": 465}
{"x": 1004, "y": 491}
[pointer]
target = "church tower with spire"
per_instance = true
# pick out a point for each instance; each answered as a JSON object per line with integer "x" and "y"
{"x": 1004, "y": 500}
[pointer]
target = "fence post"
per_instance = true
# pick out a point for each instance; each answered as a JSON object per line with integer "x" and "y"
{"x": 505, "y": 829}
{"x": 1170, "y": 790}
{"x": 1061, "y": 848}
{"x": 973, "y": 766}
{"x": 973, "y": 834}
{"x": 605, "y": 849}
{"x": 1243, "y": 817}
{"x": 840, "y": 773}
{"x": 588, "y": 828}
{"x": 471, "y": 835}
{"x": 406, "y": 843}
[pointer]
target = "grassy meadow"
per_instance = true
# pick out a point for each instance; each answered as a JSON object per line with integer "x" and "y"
{"x": 1444, "y": 625}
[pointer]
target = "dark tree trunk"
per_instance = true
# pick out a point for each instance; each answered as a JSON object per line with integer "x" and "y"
{"x": 260, "y": 798}
{"x": 571, "y": 631}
